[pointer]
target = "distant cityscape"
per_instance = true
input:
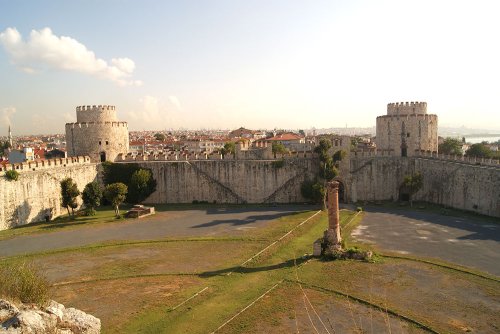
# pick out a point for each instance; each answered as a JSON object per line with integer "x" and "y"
{"x": 37, "y": 147}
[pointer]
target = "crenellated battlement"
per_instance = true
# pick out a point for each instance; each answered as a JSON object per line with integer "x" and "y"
{"x": 359, "y": 154}
{"x": 194, "y": 156}
{"x": 90, "y": 124}
{"x": 424, "y": 117}
{"x": 401, "y": 108}
{"x": 31, "y": 166}
{"x": 95, "y": 108}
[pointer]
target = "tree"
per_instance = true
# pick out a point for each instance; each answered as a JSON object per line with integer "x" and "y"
{"x": 92, "y": 195}
{"x": 324, "y": 146}
{"x": 327, "y": 168}
{"x": 4, "y": 146}
{"x": 141, "y": 186}
{"x": 313, "y": 190}
{"x": 69, "y": 194}
{"x": 451, "y": 146}
{"x": 413, "y": 183}
{"x": 479, "y": 151}
{"x": 339, "y": 155}
{"x": 115, "y": 193}
{"x": 279, "y": 148}
{"x": 160, "y": 137}
{"x": 229, "y": 148}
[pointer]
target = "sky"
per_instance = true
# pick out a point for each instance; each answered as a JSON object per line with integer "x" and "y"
{"x": 257, "y": 64}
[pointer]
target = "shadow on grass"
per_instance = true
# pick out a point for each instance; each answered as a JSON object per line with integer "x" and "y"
{"x": 245, "y": 270}
{"x": 247, "y": 220}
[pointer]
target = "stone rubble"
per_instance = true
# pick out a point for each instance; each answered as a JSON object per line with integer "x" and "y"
{"x": 54, "y": 318}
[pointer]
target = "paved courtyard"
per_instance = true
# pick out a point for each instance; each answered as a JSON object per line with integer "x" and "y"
{"x": 472, "y": 242}
{"x": 215, "y": 221}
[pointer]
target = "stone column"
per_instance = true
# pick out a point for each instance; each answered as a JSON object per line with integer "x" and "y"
{"x": 332, "y": 235}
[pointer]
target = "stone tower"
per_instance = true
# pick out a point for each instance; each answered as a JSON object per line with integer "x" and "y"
{"x": 407, "y": 128}
{"x": 97, "y": 133}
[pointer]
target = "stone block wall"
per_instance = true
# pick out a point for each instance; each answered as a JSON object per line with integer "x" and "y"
{"x": 38, "y": 191}
{"x": 451, "y": 183}
{"x": 229, "y": 181}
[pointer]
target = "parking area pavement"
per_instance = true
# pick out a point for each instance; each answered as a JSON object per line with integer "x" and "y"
{"x": 216, "y": 221}
{"x": 471, "y": 242}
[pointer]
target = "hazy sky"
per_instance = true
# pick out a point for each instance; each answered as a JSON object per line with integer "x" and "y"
{"x": 258, "y": 64}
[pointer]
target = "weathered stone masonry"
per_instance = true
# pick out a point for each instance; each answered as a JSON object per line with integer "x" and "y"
{"x": 452, "y": 183}
{"x": 37, "y": 192}
{"x": 229, "y": 181}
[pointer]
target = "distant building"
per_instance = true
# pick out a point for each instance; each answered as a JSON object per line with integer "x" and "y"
{"x": 241, "y": 133}
{"x": 17, "y": 156}
{"x": 291, "y": 141}
{"x": 55, "y": 153}
{"x": 200, "y": 145}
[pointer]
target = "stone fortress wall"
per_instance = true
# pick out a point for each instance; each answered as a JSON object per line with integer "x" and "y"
{"x": 97, "y": 133}
{"x": 407, "y": 126}
{"x": 255, "y": 175}
{"x": 465, "y": 184}
{"x": 37, "y": 192}
{"x": 229, "y": 181}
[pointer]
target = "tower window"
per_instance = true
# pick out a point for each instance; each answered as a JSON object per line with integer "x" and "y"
{"x": 107, "y": 142}
{"x": 100, "y": 142}
{"x": 408, "y": 135}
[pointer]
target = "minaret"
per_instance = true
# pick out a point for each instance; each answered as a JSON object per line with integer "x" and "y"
{"x": 10, "y": 137}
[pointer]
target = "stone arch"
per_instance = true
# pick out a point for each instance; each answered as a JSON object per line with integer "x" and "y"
{"x": 342, "y": 190}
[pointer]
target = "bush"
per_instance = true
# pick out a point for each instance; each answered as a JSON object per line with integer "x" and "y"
{"x": 359, "y": 209}
{"x": 24, "y": 282}
{"x": 12, "y": 175}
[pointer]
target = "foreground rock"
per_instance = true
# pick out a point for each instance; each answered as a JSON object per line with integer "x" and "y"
{"x": 55, "y": 318}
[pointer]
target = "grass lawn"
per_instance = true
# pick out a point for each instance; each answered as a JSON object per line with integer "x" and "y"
{"x": 206, "y": 284}
{"x": 103, "y": 215}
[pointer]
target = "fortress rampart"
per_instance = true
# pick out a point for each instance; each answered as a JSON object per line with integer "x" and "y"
{"x": 192, "y": 156}
{"x": 30, "y": 166}
{"x": 457, "y": 182}
{"x": 37, "y": 192}
{"x": 229, "y": 181}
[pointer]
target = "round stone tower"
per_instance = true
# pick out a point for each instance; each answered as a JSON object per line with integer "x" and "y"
{"x": 407, "y": 128}
{"x": 97, "y": 133}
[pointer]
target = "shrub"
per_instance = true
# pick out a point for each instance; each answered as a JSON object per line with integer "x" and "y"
{"x": 24, "y": 282}
{"x": 359, "y": 209}
{"x": 12, "y": 175}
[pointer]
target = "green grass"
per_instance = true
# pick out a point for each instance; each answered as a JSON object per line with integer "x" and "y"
{"x": 103, "y": 215}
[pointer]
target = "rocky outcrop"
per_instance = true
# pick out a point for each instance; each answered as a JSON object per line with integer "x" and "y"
{"x": 54, "y": 318}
